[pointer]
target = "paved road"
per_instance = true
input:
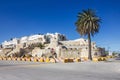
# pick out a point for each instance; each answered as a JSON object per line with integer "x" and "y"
{"x": 13, "y": 70}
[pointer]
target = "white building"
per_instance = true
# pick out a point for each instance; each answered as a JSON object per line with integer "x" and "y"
{"x": 10, "y": 44}
{"x": 57, "y": 36}
{"x": 58, "y": 43}
{"x": 24, "y": 39}
{"x": 77, "y": 46}
{"x": 37, "y": 38}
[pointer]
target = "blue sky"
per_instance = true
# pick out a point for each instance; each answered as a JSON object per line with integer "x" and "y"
{"x": 26, "y": 17}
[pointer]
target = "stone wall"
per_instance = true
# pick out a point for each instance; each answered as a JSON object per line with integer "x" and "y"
{"x": 70, "y": 53}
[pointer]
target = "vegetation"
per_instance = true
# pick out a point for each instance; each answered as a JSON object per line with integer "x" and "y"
{"x": 106, "y": 53}
{"x": 115, "y": 53}
{"x": 40, "y": 45}
{"x": 87, "y": 25}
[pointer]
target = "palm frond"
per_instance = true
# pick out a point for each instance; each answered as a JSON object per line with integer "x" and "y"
{"x": 88, "y": 22}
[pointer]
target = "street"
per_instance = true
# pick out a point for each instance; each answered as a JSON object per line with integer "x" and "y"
{"x": 18, "y": 70}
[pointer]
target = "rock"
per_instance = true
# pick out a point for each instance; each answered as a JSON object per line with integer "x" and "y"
{"x": 52, "y": 60}
{"x": 37, "y": 52}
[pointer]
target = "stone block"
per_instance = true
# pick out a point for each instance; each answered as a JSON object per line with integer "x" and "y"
{"x": 65, "y": 60}
{"x": 19, "y": 59}
{"x": 1, "y": 58}
{"x": 28, "y": 59}
{"x": 23, "y": 59}
{"x": 9, "y": 59}
{"x": 35, "y": 60}
{"x": 41, "y": 60}
{"x": 95, "y": 59}
{"x": 77, "y": 60}
{"x": 47, "y": 60}
{"x": 52, "y": 60}
{"x": 71, "y": 60}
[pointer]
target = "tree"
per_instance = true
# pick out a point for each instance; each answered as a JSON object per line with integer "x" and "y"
{"x": 41, "y": 46}
{"x": 88, "y": 24}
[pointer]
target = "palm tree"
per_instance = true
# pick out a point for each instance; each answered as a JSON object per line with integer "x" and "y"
{"x": 87, "y": 25}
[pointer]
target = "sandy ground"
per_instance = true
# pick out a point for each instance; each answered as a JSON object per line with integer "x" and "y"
{"x": 14, "y": 70}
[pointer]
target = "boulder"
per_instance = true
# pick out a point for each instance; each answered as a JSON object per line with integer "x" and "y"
{"x": 36, "y": 52}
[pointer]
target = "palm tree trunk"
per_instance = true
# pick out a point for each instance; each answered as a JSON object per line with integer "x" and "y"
{"x": 89, "y": 47}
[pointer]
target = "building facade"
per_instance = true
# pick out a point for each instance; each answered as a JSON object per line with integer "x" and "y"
{"x": 56, "y": 43}
{"x": 33, "y": 39}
